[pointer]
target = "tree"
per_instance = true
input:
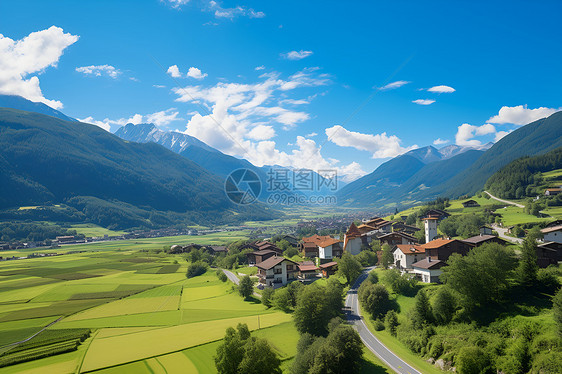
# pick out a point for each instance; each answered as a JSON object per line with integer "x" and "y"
{"x": 347, "y": 345}
{"x": 387, "y": 257}
{"x": 267, "y": 297}
{"x": 367, "y": 257}
{"x": 374, "y": 298}
{"x": 246, "y": 287}
{"x": 315, "y": 308}
{"x": 557, "y": 310}
{"x": 472, "y": 360}
{"x": 231, "y": 352}
{"x": 282, "y": 299}
{"x": 294, "y": 289}
{"x": 527, "y": 270}
{"x": 307, "y": 348}
{"x": 349, "y": 267}
{"x": 259, "y": 358}
{"x": 196, "y": 268}
{"x": 444, "y": 306}
{"x": 488, "y": 268}
{"x": 391, "y": 322}
{"x": 421, "y": 314}
{"x": 404, "y": 284}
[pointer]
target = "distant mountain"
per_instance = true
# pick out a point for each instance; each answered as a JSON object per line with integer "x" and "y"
{"x": 535, "y": 138}
{"x": 147, "y": 133}
{"x": 46, "y": 160}
{"x": 18, "y": 102}
{"x": 406, "y": 179}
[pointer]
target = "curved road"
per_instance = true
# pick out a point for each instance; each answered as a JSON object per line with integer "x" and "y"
{"x": 354, "y": 317}
{"x": 504, "y": 201}
{"x": 234, "y": 279}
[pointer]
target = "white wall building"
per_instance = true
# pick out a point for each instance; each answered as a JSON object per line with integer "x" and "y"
{"x": 277, "y": 271}
{"x": 428, "y": 270}
{"x": 430, "y": 228}
{"x": 407, "y": 254}
{"x": 552, "y": 234}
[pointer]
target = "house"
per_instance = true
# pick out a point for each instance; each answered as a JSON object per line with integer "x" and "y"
{"x": 553, "y": 234}
{"x": 478, "y": 240}
{"x": 329, "y": 268}
{"x": 307, "y": 270}
{"x": 402, "y": 227}
{"x": 395, "y": 238}
{"x": 430, "y": 224}
{"x": 552, "y": 191}
{"x": 291, "y": 239}
{"x": 375, "y": 224}
{"x": 407, "y": 254}
{"x": 260, "y": 256}
{"x": 309, "y": 245}
{"x": 442, "y": 249}
{"x": 549, "y": 254}
{"x": 267, "y": 245}
{"x": 276, "y": 271}
{"x": 353, "y": 241}
{"x": 486, "y": 230}
{"x": 428, "y": 270}
{"x": 470, "y": 204}
{"x": 329, "y": 248}
{"x": 555, "y": 223}
{"x": 217, "y": 249}
{"x": 438, "y": 213}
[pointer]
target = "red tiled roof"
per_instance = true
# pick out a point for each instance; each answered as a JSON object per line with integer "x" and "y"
{"x": 328, "y": 242}
{"x": 437, "y": 243}
{"x": 307, "y": 267}
{"x": 328, "y": 265}
{"x": 353, "y": 230}
{"x": 315, "y": 239}
{"x": 410, "y": 249}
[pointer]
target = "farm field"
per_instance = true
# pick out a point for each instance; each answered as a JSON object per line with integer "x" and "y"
{"x": 132, "y": 312}
{"x": 90, "y": 229}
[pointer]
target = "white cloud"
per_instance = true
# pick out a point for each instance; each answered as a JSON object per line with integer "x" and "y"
{"x": 521, "y": 115}
{"x": 311, "y": 135}
{"x": 261, "y": 132}
{"x": 195, "y": 73}
{"x": 158, "y": 86}
{"x": 296, "y": 55}
{"x": 466, "y": 133}
{"x": 440, "y": 141}
{"x": 162, "y": 118}
{"x": 500, "y": 135}
{"x": 32, "y": 54}
{"x": 176, "y": 3}
{"x": 380, "y": 145}
{"x": 441, "y": 89}
{"x": 423, "y": 101}
{"x": 231, "y": 13}
{"x": 393, "y": 85}
{"x": 261, "y": 67}
{"x": 174, "y": 71}
{"x": 99, "y": 70}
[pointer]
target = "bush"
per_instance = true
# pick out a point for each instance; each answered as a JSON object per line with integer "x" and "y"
{"x": 246, "y": 287}
{"x": 548, "y": 279}
{"x": 374, "y": 299}
{"x": 267, "y": 297}
{"x": 221, "y": 275}
{"x": 444, "y": 306}
{"x": 282, "y": 299}
{"x": 391, "y": 322}
{"x": 378, "y": 325}
{"x": 373, "y": 277}
{"x": 196, "y": 268}
{"x": 367, "y": 258}
{"x": 403, "y": 284}
{"x": 472, "y": 360}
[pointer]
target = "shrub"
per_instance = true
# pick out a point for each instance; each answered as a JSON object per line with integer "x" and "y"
{"x": 472, "y": 360}
{"x": 403, "y": 284}
{"x": 221, "y": 275}
{"x": 282, "y": 299}
{"x": 374, "y": 299}
{"x": 391, "y": 322}
{"x": 246, "y": 287}
{"x": 373, "y": 277}
{"x": 196, "y": 268}
{"x": 378, "y": 325}
{"x": 444, "y": 306}
{"x": 267, "y": 297}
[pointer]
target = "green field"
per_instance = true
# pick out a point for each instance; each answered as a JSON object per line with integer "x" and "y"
{"x": 143, "y": 313}
{"x": 92, "y": 230}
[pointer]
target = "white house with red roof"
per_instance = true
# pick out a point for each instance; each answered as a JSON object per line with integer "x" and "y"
{"x": 553, "y": 234}
{"x": 329, "y": 248}
{"x": 407, "y": 254}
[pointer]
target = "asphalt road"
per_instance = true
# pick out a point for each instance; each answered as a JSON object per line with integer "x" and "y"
{"x": 231, "y": 276}
{"x": 371, "y": 342}
{"x": 504, "y": 201}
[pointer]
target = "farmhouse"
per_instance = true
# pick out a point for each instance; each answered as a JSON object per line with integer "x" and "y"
{"x": 437, "y": 213}
{"x": 406, "y": 254}
{"x": 329, "y": 248}
{"x": 553, "y": 234}
{"x": 216, "y": 249}
{"x": 549, "y": 254}
{"x": 260, "y": 256}
{"x": 395, "y": 238}
{"x": 353, "y": 240}
{"x": 402, "y": 227}
{"x": 478, "y": 240}
{"x": 552, "y": 191}
{"x": 277, "y": 271}
{"x": 329, "y": 268}
{"x": 442, "y": 249}
{"x": 307, "y": 270}
{"x": 428, "y": 270}
{"x": 470, "y": 204}
{"x": 309, "y": 245}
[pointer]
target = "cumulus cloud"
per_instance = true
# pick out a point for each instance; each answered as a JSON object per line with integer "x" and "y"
{"x": 423, "y": 101}
{"x": 261, "y": 67}
{"x": 393, "y": 85}
{"x": 521, "y": 115}
{"x": 176, "y": 3}
{"x": 19, "y": 59}
{"x": 162, "y": 118}
{"x": 466, "y": 134}
{"x": 174, "y": 71}
{"x": 261, "y": 132}
{"x": 380, "y": 145}
{"x": 441, "y": 89}
{"x": 195, "y": 73}
{"x": 99, "y": 70}
{"x": 296, "y": 55}
{"x": 311, "y": 135}
{"x": 440, "y": 141}
{"x": 231, "y": 13}
{"x": 500, "y": 135}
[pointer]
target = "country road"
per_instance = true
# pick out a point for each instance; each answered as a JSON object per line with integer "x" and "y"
{"x": 234, "y": 279}
{"x": 371, "y": 342}
{"x": 504, "y": 201}
{"x": 502, "y": 234}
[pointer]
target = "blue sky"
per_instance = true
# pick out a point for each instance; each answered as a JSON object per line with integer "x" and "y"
{"x": 258, "y": 79}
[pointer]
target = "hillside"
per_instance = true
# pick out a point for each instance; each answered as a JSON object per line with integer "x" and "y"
{"x": 18, "y": 102}
{"x": 523, "y": 177}
{"x": 46, "y": 160}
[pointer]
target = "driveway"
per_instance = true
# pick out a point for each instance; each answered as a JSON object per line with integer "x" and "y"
{"x": 371, "y": 342}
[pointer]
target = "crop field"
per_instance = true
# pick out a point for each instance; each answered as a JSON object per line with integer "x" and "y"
{"x": 111, "y": 310}
{"x": 90, "y": 229}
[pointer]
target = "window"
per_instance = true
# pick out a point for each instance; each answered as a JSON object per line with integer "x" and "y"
{"x": 289, "y": 267}
{"x": 278, "y": 271}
